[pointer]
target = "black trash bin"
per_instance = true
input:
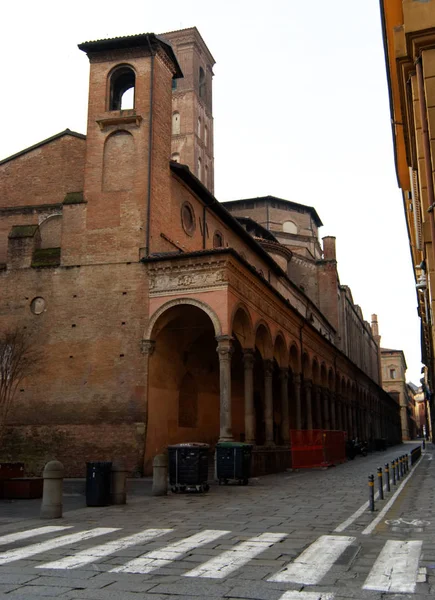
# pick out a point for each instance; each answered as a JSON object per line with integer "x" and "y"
{"x": 233, "y": 461}
{"x": 98, "y": 477}
{"x": 188, "y": 467}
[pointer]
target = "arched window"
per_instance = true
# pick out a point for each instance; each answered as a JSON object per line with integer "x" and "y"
{"x": 199, "y": 168}
{"x": 175, "y": 156}
{"x": 205, "y": 135}
{"x": 289, "y": 227}
{"x": 218, "y": 240}
{"x": 201, "y": 83}
{"x": 122, "y": 82}
{"x": 188, "y": 402}
{"x": 198, "y": 127}
{"x": 176, "y": 123}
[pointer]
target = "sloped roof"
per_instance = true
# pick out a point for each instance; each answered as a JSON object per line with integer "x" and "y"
{"x": 286, "y": 204}
{"x": 46, "y": 141}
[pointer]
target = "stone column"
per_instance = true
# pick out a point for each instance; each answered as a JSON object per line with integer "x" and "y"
{"x": 297, "y": 393}
{"x": 225, "y": 350}
{"x": 344, "y": 412}
{"x": 327, "y": 422}
{"x": 307, "y": 388}
{"x": 318, "y": 397}
{"x": 285, "y": 423}
{"x": 333, "y": 412}
{"x": 268, "y": 404}
{"x": 248, "y": 364}
{"x": 339, "y": 412}
{"x": 349, "y": 420}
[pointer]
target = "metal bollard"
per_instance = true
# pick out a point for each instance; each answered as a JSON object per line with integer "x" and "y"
{"x": 398, "y": 469}
{"x": 160, "y": 475}
{"x": 406, "y": 463}
{"x": 51, "y": 507}
{"x": 424, "y": 444}
{"x": 371, "y": 493}
{"x": 380, "y": 484}
{"x": 118, "y": 494}
{"x": 387, "y": 475}
{"x": 393, "y": 470}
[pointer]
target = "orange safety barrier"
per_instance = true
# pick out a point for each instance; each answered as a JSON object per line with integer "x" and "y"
{"x": 317, "y": 448}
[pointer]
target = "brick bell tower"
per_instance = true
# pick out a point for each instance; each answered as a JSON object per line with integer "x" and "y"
{"x": 192, "y": 114}
{"x": 127, "y": 150}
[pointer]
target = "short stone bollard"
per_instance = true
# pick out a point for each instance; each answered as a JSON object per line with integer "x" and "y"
{"x": 118, "y": 493}
{"x": 51, "y": 507}
{"x": 160, "y": 475}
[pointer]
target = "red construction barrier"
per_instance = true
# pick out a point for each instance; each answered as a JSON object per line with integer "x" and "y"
{"x": 317, "y": 448}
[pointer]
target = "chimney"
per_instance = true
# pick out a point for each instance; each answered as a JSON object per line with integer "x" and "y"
{"x": 329, "y": 248}
{"x": 375, "y": 329}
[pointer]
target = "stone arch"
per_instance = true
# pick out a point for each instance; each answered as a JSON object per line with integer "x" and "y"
{"x": 280, "y": 351}
{"x": 294, "y": 358}
{"x": 315, "y": 368}
{"x": 306, "y": 366}
{"x": 242, "y": 326}
{"x": 323, "y": 375}
{"x": 263, "y": 340}
{"x": 178, "y": 302}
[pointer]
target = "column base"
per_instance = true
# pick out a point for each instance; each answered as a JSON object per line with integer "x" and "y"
{"x": 226, "y": 438}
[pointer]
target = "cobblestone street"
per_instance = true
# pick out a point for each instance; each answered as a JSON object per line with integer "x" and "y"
{"x": 283, "y": 537}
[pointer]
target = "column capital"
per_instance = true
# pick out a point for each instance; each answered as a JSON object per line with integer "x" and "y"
{"x": 283, "y": 373}
{"x": 148, "y": 347}
{"x": 308, "y": 383}
{"x": 225, "y": 346}
{"x": 268, "y": 367}
{"x": 248, "y": 358}
{"x": 297, "y": 378}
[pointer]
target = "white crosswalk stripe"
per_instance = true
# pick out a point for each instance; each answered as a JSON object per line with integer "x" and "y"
{"x": 27, "y": 551}
{"x": 306, "y": 596}
{"x": 396, "y": 568}
{"x": 160, "y": 558}
{"x": 29, "y": 533}
{"x": 227, "y": 562}
{"x": 97, "y": 552}
{"x": 313, "y": 564}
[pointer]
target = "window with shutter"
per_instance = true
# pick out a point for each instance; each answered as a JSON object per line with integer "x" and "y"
{"x": 416, "y": 208}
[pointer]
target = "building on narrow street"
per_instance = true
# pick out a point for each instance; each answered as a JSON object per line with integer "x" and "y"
{"x": 409, "y": 41}
{"x": 129, "y": 275}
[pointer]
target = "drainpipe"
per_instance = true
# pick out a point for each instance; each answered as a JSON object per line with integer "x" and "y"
{"x": 150, "y": 147}
{"x": 426, "y": 144}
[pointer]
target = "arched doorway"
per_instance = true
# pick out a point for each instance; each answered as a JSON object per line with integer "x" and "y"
{"x": 183, "y": 380}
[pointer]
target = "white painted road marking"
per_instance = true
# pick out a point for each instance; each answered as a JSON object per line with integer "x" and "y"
{"x": 96, "y": 552}
{"x": 159, "y": 558}
{"x": 306, "y": 596}
{"x": 229, "y": 561}
{"x": 64, "y": 540}
{"x": 396, "y": 569}
{"x": 387, "y": 507}
{"x": 314, "y": 562}
{"x": 29, "y": 533}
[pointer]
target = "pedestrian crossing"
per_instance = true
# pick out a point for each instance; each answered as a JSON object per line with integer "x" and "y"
{"x": 395, "y": 570}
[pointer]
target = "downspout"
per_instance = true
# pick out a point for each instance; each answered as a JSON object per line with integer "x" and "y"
{"x": 426, "y": 145}
{"x": 150, "y": 147}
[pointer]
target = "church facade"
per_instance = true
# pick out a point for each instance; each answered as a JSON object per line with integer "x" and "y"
{"x": 163, "y": 315}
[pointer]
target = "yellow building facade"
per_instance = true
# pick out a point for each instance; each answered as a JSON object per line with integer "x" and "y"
{"x": 409, "y": 43}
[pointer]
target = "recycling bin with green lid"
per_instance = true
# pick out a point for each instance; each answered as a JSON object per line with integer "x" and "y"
{"x": 233, "y": 462}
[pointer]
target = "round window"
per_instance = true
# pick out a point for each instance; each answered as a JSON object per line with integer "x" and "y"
{"x": 188, "y": 218}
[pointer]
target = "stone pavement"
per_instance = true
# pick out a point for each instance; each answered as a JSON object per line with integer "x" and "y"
{"x": 284, "y": 537}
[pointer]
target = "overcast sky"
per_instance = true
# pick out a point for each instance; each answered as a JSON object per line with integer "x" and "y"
{"x": 300, "y": 108}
